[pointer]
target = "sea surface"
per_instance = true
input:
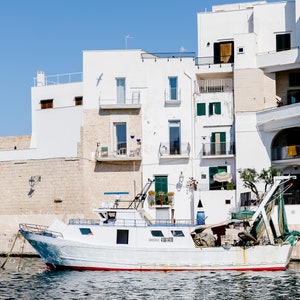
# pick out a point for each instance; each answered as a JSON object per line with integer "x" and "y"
{"x": 27, "y": 278}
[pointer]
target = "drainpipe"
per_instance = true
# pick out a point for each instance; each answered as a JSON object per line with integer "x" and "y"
{"x": 192, "y": 145}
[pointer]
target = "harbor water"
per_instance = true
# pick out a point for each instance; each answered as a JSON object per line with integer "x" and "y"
{"x": 29, "y": 279}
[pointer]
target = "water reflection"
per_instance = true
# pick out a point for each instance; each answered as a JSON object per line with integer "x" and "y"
{"x": 32, "y": 281}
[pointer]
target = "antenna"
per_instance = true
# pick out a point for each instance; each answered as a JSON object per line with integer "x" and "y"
{"x": 126, "y": 38}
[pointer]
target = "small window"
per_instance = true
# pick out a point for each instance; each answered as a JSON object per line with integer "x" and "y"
{"x": 214, "y": 108}
{"x": 122, "y": 236}
{"x": 157, "y": 233}
{"x": 110, "y": 217}
{"x": 85, "y": 231}
{"x": 283, "y": 42}
{"x": 46, "y": 103}
{"x": 293, "y": 96}
{"x": 177, "y": 233}
{"x": 240, "y": 50}
{"x": 227, "y": 201}
{"x": 78, "y": 100}
{"x": 201, "y": 109}
{"x": 294, "y": 79}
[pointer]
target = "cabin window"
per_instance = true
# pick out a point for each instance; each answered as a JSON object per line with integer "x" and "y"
{"x": 122, "y": 236}
{"x": 177, "y": 233}
{"x": 110, "y": 217}
{"x": 48, "y": 103}
{"x": 78, "y": 100}
{"x": 85, "y": 231}
{"x": 157, "y": 233}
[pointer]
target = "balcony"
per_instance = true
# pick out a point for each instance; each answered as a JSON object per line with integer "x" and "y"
{"x": 123, "y": 154}
{"x": 129, "y": 103}
{"x": 214, "y": 86}
{"x": 286, "y": 152}
{"x": 222, "y": 149}
{"x": 174, "y": 150}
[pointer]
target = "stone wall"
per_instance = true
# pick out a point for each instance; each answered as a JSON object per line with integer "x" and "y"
{"x": 14, "y": 142}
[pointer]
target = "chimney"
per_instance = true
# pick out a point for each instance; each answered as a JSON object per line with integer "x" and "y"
{"x": 40, "y": 78}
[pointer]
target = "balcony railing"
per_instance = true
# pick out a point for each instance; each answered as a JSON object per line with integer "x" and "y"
{"x": 59, "y": 79}
{"x": 218, "y": 149}
{"x": 132, "y": 102}
{"x": 214, "y": 86}
{"x": 212, "y": 60}
{"x": 286, "y": 152}
{"x": 104, "y": 154}
{"x": 176, "y": 149}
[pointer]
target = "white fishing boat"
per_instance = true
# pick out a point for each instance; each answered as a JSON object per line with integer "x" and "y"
{"x": 128, "y": 239}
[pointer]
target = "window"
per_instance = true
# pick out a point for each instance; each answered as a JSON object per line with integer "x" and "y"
{"x": 294, "y": 79}
{"x": 78, "y": 100}
{"x": 173, "y": 88}
{"x": 174, "y": 137}
{"x": 214, "y": 108}
{"x": 283, "y": 42}
{"x": 223, "y": 52}
{"x": 293, "y": 96}
{"x": 120, "y": 90}
{"x": 122, "y": 236}
{"x": 161, "y": 184}
{"x": 215, "y": 185}
{"x": 218, "y": 143}
{"x": 157, "y": 233}
{"x": 46, "y": 103}
{"x": 85, "y": 231}
{"x": 120, "y": 138}
{"x": 177, "y": 233}
{"x": 201, "y": 109}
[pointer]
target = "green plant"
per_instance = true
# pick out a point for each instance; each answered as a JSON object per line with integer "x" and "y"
{"x": 152, "y": 193}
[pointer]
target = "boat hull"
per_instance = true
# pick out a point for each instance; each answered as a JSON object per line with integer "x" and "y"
{"x": 58, "y": 253}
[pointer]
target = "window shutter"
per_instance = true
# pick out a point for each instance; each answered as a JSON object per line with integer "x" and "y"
{"x": 201, "y": 109}
{"x": 218, "y": 108}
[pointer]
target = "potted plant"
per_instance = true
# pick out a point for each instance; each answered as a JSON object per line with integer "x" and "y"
{"x": 151, "y": 197}
{"x": 161, "y": 198}
{"x": 151, "y": 193}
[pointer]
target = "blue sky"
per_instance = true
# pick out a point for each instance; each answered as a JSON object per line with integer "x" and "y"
{"x": 51, "y": 35}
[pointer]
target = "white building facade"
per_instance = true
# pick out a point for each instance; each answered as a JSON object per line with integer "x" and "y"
{"x": 177, "y": 118}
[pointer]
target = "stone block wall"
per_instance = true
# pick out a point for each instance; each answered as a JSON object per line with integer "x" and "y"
{"x": 14, "y": 142}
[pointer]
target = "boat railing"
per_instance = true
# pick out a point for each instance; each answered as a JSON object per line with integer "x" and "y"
{"x": 84, "y": 222}
{"x": 177, "y": 222}
{"x": 39, "y": 229}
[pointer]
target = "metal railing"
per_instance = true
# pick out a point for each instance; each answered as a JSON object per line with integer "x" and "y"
{"x": 134, "y": 99}
{"x": 216, "y": 149}
{"x": 167, "y": 149}
{"x": 39, "y": 229}
{"x": 60, "y": 79}
{"x": 214, "y": 85}
{"x": 213, "y": 60}
{"x": 181, "y": 54}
